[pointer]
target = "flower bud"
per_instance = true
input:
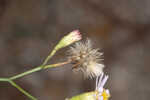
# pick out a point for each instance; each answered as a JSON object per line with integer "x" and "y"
{"x": 65, "y": 41}
{"x": 69, "y": 39}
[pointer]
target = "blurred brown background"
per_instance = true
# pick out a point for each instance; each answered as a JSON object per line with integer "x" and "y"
{"x": 30, "y": 28}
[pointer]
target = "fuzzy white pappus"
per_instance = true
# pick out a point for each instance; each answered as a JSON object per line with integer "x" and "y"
{"x": 86, "y": 59}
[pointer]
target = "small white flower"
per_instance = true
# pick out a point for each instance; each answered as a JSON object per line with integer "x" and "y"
{"x": 86, "y": 59}
{"x": 100, "y": 93}
{"x": 103, "y": 94}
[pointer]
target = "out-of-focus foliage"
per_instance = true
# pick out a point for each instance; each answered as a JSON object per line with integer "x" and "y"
{"x": 30, "y": 28}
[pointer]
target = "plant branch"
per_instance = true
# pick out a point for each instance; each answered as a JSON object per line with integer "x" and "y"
{"x": 35, "y": 70}
{"x": 4, "y": 79}
{"x": 56, "y": 65}
{"x": 10, "y": 80}
{"x": 65, "y": 41}
{"x": 22, "y": 90}
{"x": 25, "y": 73}
{"x": 49, "y": 56}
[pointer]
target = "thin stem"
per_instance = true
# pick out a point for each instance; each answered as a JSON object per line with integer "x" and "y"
{"x": 37, "y": 69}
{"x": 10, "y": 80}
{"x": 22, "y": 90}
{"x": 4, "y": 79}
{"x": 49, "y": 56}
{"x": 56, "y": 65}
{"x": 25, "y": 73}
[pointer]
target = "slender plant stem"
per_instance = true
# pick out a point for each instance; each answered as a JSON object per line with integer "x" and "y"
{"x": 56, "y": 65}
{"x": 25, "y": 73}
{"x": 4, "y": 79}
{"x": 41, "y": 67}
{"x": 49, "y": 56}
{"x": 10, "y": 80}
{"x": 22, "y": 90}
{"x": 37, "y": 69}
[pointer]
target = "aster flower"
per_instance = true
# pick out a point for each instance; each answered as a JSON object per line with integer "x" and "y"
{"x": 99, "y": 94}
{"x": 86, "y": 59}
{"x": 102, "y": 94}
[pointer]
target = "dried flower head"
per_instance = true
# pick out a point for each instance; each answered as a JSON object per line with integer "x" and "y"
{"x": 86, "y": 59}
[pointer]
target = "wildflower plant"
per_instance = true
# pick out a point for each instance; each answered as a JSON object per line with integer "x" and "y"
{"x": 83, "y": 58}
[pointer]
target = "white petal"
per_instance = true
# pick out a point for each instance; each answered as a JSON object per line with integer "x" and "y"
{"x": 107, "y": 91}
{"x": 104, "y": 81}
{"x": 100, "y": 98}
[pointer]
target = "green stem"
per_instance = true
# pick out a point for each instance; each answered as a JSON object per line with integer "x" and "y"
{"x": 4, "y": 79}
{"x": 37, "y": 69}
{"x": 56, "y": 65}
{"x": 22, "y": 90}
{"x": 49, "y": 56}
{"x": 10, "y": 80}
{"x": 25, "y": 73}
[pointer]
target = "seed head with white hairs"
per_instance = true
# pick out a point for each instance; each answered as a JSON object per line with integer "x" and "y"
{"x": 86, "y": 59}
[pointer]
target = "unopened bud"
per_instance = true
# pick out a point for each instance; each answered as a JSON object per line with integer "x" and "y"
{"x": 69, "y": 39}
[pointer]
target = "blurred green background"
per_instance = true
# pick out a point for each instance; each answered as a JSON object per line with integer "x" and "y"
{"x": 29, "y": 29}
